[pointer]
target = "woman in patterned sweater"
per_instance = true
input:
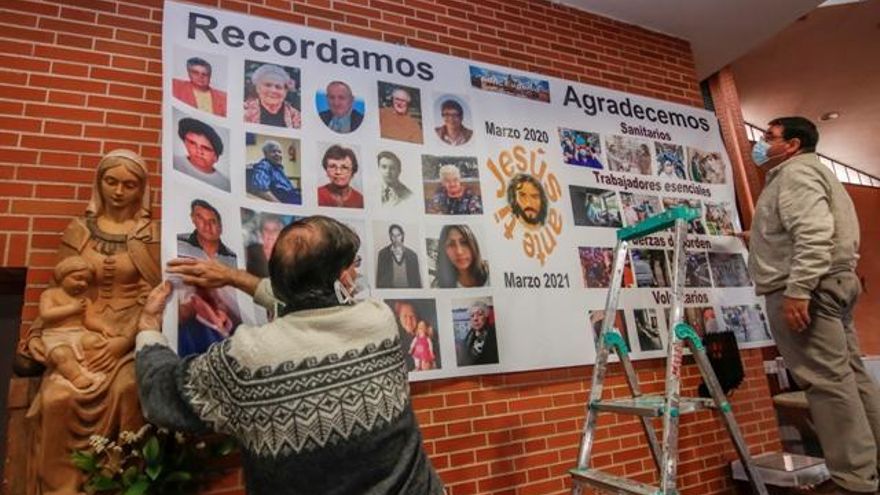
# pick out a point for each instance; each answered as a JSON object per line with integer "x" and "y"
{"x": 317, "y": 398}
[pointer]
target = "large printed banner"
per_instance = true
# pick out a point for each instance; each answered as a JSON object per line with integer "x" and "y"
{"x": 486, "y": 198}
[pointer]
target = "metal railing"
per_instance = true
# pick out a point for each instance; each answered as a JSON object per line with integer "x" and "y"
{"x": 844, "y": 173}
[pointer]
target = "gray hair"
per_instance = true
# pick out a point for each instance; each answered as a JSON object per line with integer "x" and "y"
{"x": 479, "y": 306}
{"x": 270, "y": 145}
{"x": 449, "y": 170}
{"x": 401, "y": 91}
{"x": 270, "y": 70}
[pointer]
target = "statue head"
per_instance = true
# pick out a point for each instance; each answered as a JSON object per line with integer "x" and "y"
{"x": 131, "y": 163}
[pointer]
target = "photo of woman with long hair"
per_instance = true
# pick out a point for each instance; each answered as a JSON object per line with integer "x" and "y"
{"x": 459, "y": 263}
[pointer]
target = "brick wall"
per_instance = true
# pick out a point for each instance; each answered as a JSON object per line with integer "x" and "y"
{"x": 79, "y": 80}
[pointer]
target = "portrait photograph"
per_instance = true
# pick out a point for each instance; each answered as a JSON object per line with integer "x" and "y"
{"x": 339, "y": 108}
{"x": 670, "y": 161}
{"x": 273, "y": 169}
{"x": 201, "y": 151}
{"x": 747, "y": 322}
{"x": 398, "y": 262}
{"x": 455, "y": 259}
{"x": 400, "y": 113}
{"x": 597, "y": 319}
{"x": 199, "y": 80}
{"x": 729, "y": 269}
{"x": 259, "y": 232}
{"x": 592, "y": 207}
{"x": 476, "y": 338}
{"x": 580, "y": 148}
{"x": 396, "y": 181}
{"x": 706, "y": 166}
{"x": 272, "y": 94}
{"x": 451, "y": 185}
{"x": 339, "y": 177}
{"x": 419, "y": 332}
{"x": 452, "y": 118}
{"x": 627, "y": 154}
{"x": 205, "y": 315}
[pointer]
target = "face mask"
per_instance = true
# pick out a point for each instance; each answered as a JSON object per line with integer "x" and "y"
{"x": 759, "y": 153}
{"x": 359, "y": 291}
{"x": 343, "y": 295}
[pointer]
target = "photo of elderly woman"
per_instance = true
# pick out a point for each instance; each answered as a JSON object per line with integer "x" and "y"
{"x": 271, "y": 95}
{"x": 454, "y": 260}
{"x": 452, "y": 130}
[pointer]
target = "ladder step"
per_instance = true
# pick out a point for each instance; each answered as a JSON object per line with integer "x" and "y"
{"x": 610, "y": 483}
{"x": 652, "y": 405}
{"x": 657, "y": 223}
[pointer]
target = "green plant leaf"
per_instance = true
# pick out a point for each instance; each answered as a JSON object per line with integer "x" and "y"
{"x": 178, "y": 476}
{"x": 102, "y": 483}
{"x": 84, "y": 461}
{"x": 154, "y": 471}
{"x": 151, "y": 451}
{"x": 226, "y": 447}
{"x": 130, "y": 476}
{"x": 138, "y": 488}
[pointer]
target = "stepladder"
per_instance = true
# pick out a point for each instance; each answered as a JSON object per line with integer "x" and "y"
{"x": 668, "y": 406}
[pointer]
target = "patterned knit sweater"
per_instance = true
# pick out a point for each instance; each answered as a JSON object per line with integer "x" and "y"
{"x": 318, "y": 400}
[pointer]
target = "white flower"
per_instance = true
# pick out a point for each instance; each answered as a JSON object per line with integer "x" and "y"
{"x": 178, "y": 436}
{"x": 99, "y": 443}
{"x": 200, "y": 445}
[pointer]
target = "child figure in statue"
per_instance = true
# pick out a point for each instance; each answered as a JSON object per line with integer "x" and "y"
{"x": 65, "y": 312}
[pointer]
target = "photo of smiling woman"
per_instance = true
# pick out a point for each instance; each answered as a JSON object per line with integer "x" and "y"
{"x": 459, "y": 263}
{"x": 271, "y": 95}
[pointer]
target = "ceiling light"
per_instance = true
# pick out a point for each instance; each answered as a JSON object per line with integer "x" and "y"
{"x": 829, "y": 116}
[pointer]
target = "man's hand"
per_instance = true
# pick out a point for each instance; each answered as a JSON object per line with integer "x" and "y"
{"x": 211, "y": 274}
{"x": 151, "y": 313}
{"x": 797, "y": 313}
{"x": 745, "y": 236}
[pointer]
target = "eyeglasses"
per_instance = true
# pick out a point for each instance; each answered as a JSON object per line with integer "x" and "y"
{"x": 770, "y": 137}
{"x": 341, "y": 168}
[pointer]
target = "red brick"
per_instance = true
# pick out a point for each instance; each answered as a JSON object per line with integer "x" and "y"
{"x": 126, "y": 76}
{"x": 134, "y": 50}
{"x": 87, "y": 28}
{"x": 8, "y": 222}
{"x": 16, "y": 189}
{"x": 125, "y": 105}
{"x": 56, "y": 82}
{"x": 63, "y": 113}
{"x": 33, "y": 7}
{"x": 43, "y": 207}
{"x": 65, "y": 98}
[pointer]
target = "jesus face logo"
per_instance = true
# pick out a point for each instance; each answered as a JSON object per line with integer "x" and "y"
{"x": 527, "y": 199}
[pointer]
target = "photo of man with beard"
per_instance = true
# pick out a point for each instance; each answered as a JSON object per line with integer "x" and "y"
{"x": 527, "y": 199}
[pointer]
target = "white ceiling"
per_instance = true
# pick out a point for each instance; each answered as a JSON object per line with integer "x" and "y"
{"x": 720, "y": 31}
